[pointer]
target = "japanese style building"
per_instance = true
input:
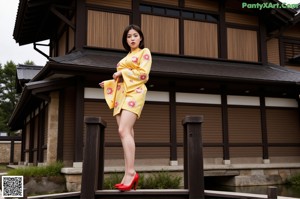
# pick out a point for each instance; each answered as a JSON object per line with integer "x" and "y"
{"x": 238, "y": 67}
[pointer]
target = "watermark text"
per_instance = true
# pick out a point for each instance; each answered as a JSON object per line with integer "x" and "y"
{"x": 269, "y": 5}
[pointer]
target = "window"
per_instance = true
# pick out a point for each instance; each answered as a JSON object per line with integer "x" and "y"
{"x": 291, "y": 53}
{"x": 171, "y": 12}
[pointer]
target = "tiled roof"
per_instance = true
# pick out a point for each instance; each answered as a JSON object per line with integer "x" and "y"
{"x": 188, "y": 67}
{"x": 27, "y": 72}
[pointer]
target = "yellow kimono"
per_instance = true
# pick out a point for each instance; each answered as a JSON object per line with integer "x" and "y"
{"x": 129, "y": 91}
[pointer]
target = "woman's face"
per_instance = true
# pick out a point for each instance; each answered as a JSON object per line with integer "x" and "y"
{"x": 133, "y": 39}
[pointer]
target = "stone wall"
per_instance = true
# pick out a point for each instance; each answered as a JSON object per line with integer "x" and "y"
{"x": 5, "y": 152}
{"x": 229, "y": 175}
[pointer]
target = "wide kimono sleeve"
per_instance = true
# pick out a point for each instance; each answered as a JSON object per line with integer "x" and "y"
{"x": 110, "y": 89}
{"x": 139, "y": 74}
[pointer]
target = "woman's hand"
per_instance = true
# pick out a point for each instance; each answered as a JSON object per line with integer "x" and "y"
{"x": 116, "y": 75}
{"x": 101, "y": 84}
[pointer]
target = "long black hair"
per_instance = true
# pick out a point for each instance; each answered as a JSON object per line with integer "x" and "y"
{"x": 124, "y": 39}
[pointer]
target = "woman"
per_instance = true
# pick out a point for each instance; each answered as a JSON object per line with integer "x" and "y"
{"x": 126, "y": 93}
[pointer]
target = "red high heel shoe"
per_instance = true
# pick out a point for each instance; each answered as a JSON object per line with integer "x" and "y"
{"x": 133, "y": 184}
{"x": 117, "y": 185}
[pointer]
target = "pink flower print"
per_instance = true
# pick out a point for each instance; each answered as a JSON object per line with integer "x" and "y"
{"x": 118, "y": 87}
{"x": 146, "y": 56}
{"x": 139, "y": 90}
{"x": 109, "y": 91}
{"x": 143, "y": 76}
{"x": 134, "y": 59}
{"x": 131, "y": 103}
{"x": 116, "y": 104}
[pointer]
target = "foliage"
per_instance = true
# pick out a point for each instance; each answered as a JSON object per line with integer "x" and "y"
{"x": 8, "y": 95}
{"x": 3, "y": 168}
{"x": 160, "y": 180}
{"x": 28, "y": 62}
{"x": 111, "y": 180}
{"x": 40, "y": 171}
{"x": 294, "y": 179}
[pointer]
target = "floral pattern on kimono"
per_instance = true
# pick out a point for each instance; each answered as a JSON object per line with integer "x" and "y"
{"x": 129, "y": 91}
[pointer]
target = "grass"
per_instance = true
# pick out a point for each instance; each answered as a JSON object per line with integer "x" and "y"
{"x": 4, "y": 168}
{"x": 41, "y": 171}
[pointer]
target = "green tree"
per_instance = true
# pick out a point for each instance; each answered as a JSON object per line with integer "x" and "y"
{"x": 28, "y": 62}
{"x": 8, "y": 95}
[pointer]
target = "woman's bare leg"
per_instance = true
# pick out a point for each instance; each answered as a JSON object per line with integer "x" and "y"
{"x": 132, "y": 133}
{"x": 126, "y": 123}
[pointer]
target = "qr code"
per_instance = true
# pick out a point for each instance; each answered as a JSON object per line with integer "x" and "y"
{"x": 12, "y": 186}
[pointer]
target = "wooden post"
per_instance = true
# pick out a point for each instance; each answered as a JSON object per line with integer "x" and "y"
{"x": 12, "y": 152}
{"x": 193, "y": 157}
{"x": 93, "y": 161}
{"x": 25, "y": 195}
{"x": 272, "y": 192}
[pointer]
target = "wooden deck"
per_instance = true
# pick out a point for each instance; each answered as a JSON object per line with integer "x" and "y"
{"x": 157, "y": 194}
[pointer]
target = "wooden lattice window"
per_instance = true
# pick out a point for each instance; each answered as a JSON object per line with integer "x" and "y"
{"x": 291, "y": 52}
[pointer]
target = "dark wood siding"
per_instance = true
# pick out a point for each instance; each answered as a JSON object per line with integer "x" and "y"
{"x": 69, "y": 121}
{"x": 211, "y": 127}
{"x": 200, "y": 39}
{"x": 105, "y": 29}
{"x": 283, "y": 125}
{"x": 242, "y": 44}
{"x": 248, "y": 20}
{"x": 167, "y": 2}
{"x": 151, "y": 128}
{"x": 244, "y": 125}
{"x": 202, "y": 5}
{"x": 112, "y": 3}
{"x": 284, "y": 133}
{"x": 35, "y": 143}
{"x": 27, "y": 142}
{"x": 154, "y": 26}
{"x": 242, "y": 152}
{"x": 46, "y": 133}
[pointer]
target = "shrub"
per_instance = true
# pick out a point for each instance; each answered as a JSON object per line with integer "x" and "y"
{"x": 294, "y": 180}
{"x": 161, "y": 180}
{"x": 111, "y": 180}
{"x": 42, "y": 171}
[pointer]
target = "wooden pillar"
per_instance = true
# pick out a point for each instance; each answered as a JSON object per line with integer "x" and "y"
{"x": 193, "y": 157}
{"x": 79, "y": 112}
{"x": 93, "y": 162}
{"x": 173, "y": 131}
{"x": 272, "y": 192}
{"x": 12, "y": 151}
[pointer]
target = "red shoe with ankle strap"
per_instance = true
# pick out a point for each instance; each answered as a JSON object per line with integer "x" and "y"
{"x": 133, "y": 184}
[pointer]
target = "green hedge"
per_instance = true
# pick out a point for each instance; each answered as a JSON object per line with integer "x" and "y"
{"x": 40, "y": 171}
{"x": 294, "y": 179}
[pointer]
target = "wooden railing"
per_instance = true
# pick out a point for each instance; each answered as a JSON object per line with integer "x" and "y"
{"x": 93, "y": 169}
